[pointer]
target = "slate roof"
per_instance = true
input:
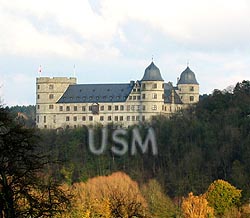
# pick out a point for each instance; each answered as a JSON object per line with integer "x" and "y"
{"x": 168, "y": 87}
{"x": 94, "y": 93}
{"x": 187, "y": 77}
{"x": 152, "y": 73}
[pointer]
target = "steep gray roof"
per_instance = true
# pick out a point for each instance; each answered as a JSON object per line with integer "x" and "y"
{"x": 152, "y": 73}
{"x": 94, "y": 93}
{"x": 187, "y": 77}
{"x": 168, "y": 87}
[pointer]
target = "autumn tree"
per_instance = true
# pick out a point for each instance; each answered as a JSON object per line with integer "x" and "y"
{"x": 196, "y": 207}
{"x": 222, "y": 196}
{"x": 108, "y": 196}
{"x": 24, "y": 189}
{"x": 159, "y": 204}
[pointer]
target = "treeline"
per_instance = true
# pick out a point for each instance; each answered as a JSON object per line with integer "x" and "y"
{"x": 24, "y": 114}
{"x": 197, "y": 146}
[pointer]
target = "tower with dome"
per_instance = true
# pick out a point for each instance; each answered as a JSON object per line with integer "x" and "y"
{"x": 62, "y": 103}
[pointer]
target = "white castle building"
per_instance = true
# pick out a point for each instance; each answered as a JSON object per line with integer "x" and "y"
{"x": 62, "y": 103}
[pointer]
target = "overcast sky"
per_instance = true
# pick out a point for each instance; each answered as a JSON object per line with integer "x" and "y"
{"x": 113, "y": 41}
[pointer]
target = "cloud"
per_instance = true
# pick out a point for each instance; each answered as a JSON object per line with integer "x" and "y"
{"x": 29, "y": 26}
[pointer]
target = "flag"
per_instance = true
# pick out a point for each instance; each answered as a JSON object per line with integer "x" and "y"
{"x": 40, "y": 70}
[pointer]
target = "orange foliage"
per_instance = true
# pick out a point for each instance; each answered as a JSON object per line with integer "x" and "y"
{"x": 196, "y": 207}
{"x": 107, "y": 196}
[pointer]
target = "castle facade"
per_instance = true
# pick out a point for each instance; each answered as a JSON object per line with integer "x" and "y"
{"x": 62, "y": 103}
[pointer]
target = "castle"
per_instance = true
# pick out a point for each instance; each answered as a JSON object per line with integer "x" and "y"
{"x": 62, "y": 103}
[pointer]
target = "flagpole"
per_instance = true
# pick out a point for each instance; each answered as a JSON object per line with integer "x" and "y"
{"x": 74, "y": 72}
{"x": 40, "y": 70}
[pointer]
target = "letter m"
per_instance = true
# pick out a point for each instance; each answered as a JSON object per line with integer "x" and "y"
{"x": 150, "y": 140}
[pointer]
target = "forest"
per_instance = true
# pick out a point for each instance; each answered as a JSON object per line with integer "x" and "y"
{"x": 201, "y": 150}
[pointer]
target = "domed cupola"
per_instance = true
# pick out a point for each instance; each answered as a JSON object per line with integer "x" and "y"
{"x": 187, "y": 77}
{"x": 152, "y": 73}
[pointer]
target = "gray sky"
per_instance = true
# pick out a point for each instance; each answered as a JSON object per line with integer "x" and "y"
{"x": 113, "y": 41}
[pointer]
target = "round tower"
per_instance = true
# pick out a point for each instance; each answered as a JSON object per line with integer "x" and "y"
{"x": 188, "y": 87}
{"x": 152, "y": 91}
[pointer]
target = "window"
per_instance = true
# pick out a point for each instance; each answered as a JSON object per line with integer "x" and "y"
{"x": 143, "y": 96}
{"x": 109, "y": 107}
{"x": 116, "y": 107}
{"x": 54, "y": 118}
{"x": 144, "y": 86}
{"x": 38, "y": 107}
{"x": 116, "y": 118}
{"x": 44, "y": 119}
{"x": 90, "y": 108}
{"x": 191, "y": 98}
{"x": 37, "y": 119}
{"x": 154, "y": 86}
{"x": 38, "y": 86}
{"x": 45, "y": 126}
{"x": 130, "y": 97}
{"x": 121, "y": 107}
{"x": 128, "y": 118}
{"x": 38, "y": 96}
{"x": 67, "y": 118}
{"x": 51, "y": 86}
{"x": 143, "y": 118}
{"x": 83, "y": 108}
{"x": 134, "y": 90}
{"x": 51, "y": 106}
{"x": 128, "y": 108}
{"x": 121, "y": 118}
{"x": 143, "y": 107}
{"x": 191, "y": 88}
{"x": 75, "y": 118}
{"x": 101, "y": 118}
{"x": 138, "y": 90}
{"x": 154, "y": 107}
{"x": 83, "y": 118}
{"x": 61, "y": 108}
{"x": 154, "y": 96}
{"x": 90, "y": 118}
{"x": 109, "y": 118}
{"x": 51, "y": 96}
{"x": 163, "y": 96}
{"x": 95, "y": 108}
{"x": 134, "y": 97}
{"x": 133, "y": 118}
{"x": 102, "y": 108}
{"x": 138, "y": 97}
{"x": 163, "y": 85}
{"x": 137, "y": 118}
{"x": 68, "y": 108}
{"x": 75, "y": 108}
{"x": 132, "y": 107}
